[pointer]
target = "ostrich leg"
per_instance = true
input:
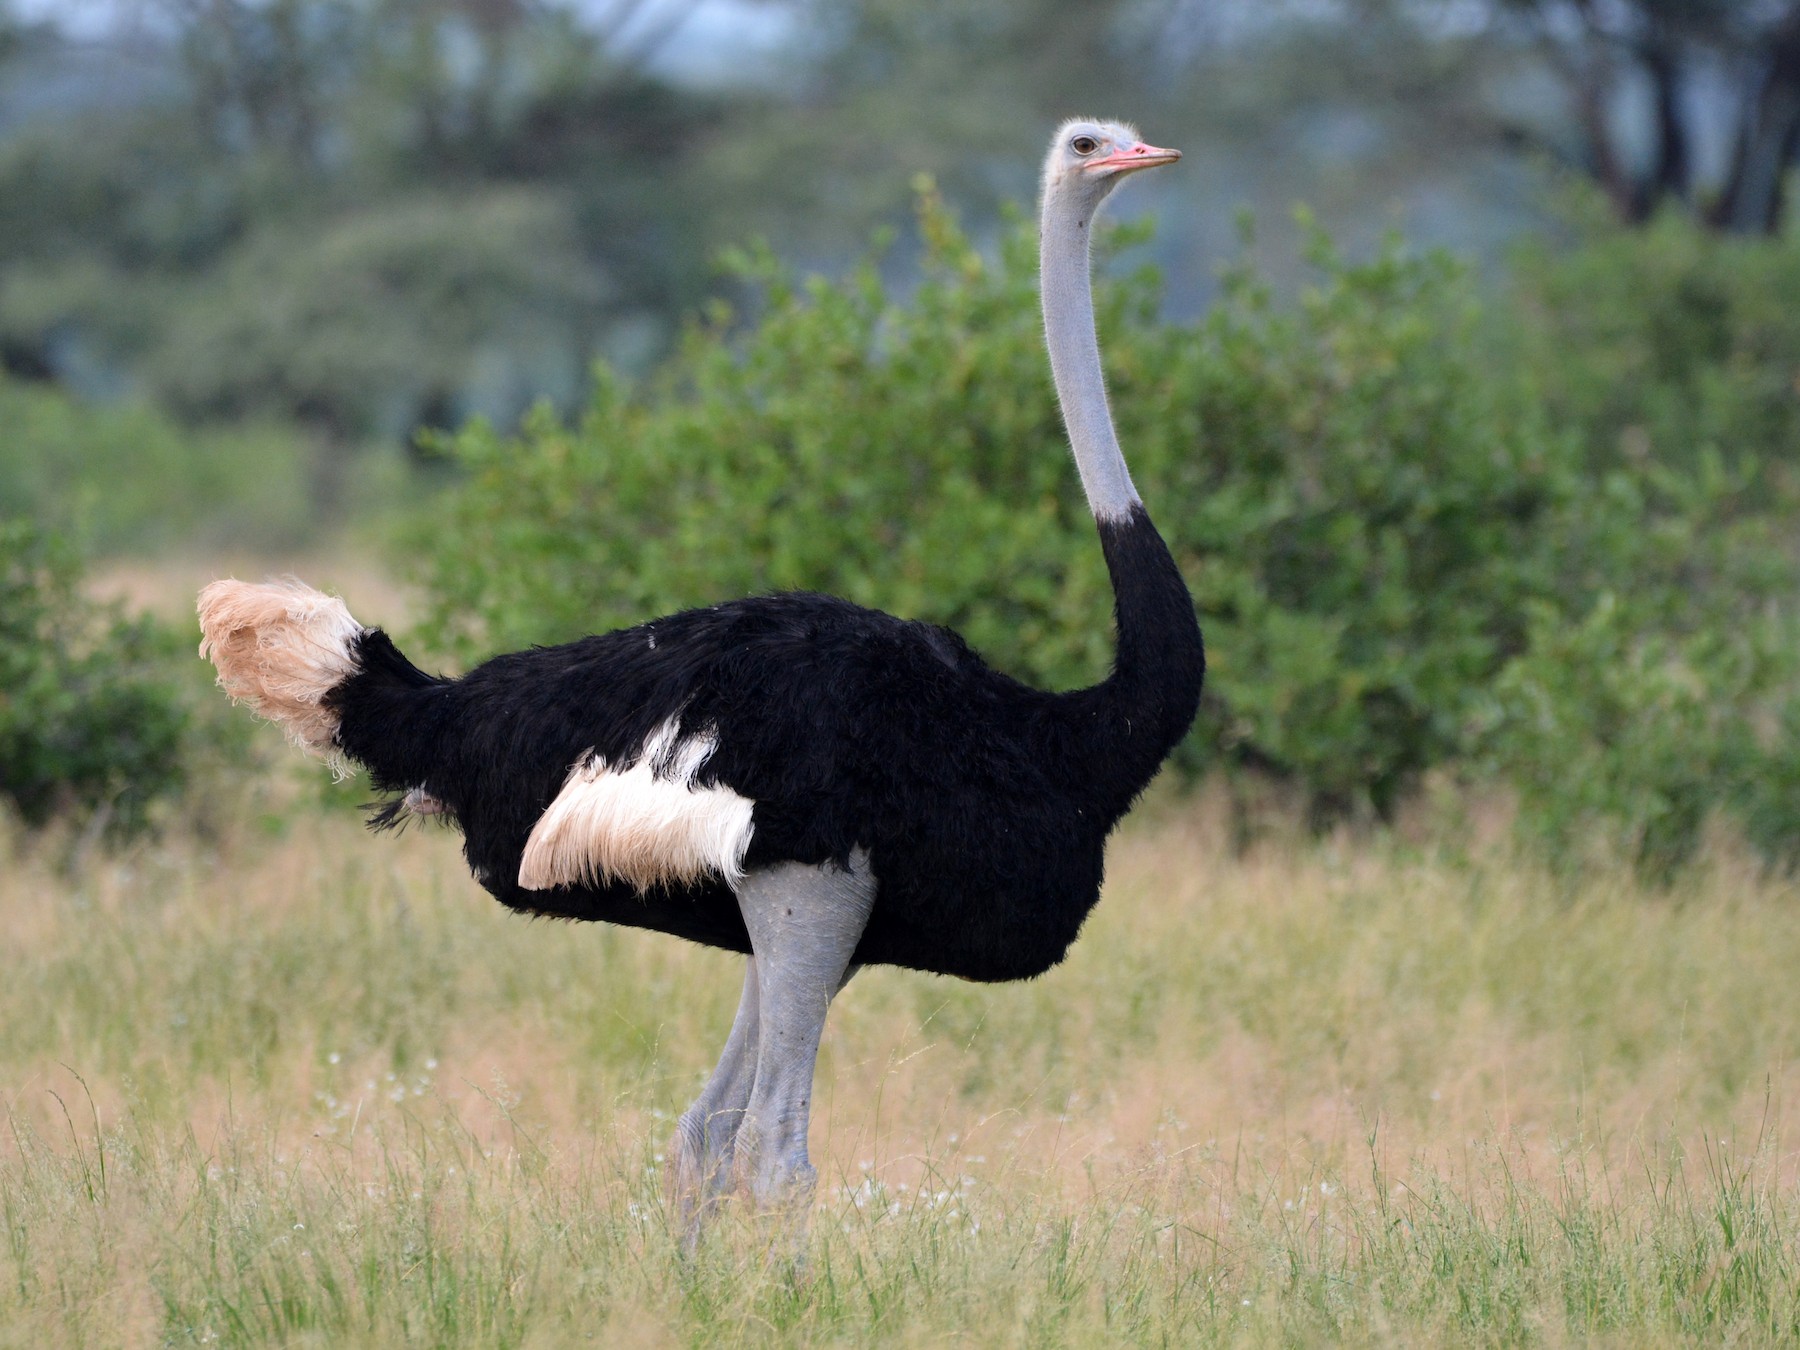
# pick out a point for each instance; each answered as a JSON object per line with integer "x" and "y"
{"x": 700, "y": 1157}
{"x": 804, "y": 925}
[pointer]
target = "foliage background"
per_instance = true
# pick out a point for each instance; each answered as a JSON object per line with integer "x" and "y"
{"x": 482, "y": 280}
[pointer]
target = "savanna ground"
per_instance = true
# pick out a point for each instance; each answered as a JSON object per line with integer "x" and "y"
{"x": 279, "y": 1083}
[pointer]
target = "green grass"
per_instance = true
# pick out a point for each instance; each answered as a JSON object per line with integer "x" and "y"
{"x": 290, "y": 1085}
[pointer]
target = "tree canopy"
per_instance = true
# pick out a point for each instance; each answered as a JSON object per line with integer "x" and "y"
{"x": 363, "y": 217}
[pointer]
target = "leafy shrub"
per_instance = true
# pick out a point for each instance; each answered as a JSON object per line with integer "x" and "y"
{"x": 128, "y": 478}
{"x": 1624, "y": 740}
{"x": 1664, "y": 687}
{"x": 1399, "y": 561}
{"x": 1662, "y": 344}
{"x": 1365, "y": 517}
{"x": 93, "y": 713}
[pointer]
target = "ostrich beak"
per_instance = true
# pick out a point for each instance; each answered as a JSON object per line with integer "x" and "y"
{"x": 1134, "y": 157}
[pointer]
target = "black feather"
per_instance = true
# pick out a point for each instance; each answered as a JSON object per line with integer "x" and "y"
{"x": 388, "y": 815}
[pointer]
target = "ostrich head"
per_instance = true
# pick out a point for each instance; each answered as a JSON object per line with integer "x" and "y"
{"x": 1088, "y": 159}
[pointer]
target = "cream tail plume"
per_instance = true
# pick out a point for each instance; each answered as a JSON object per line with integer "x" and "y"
{"x": 280, "y": 648}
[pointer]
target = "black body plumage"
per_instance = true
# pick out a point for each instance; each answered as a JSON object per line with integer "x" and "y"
{"x": 984, "y": 804}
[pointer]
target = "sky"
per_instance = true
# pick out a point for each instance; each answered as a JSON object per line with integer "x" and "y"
{"x": 712, "y": 44}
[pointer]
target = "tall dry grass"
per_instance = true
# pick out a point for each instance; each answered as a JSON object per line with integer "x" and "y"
{"x": 291, "y": 1085}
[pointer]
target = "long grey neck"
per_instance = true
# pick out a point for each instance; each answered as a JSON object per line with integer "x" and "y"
{"x": 1068, "y": 299}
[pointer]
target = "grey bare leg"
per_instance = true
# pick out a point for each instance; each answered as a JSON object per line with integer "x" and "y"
{"x": 804, "y": 924}
{"x": 700, "y": 1157}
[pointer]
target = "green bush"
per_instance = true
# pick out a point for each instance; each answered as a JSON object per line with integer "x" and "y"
{"x": 1364, "y": 508}
{"x": 129, "y": 479}
{"x": 1662, "y": 344}
{"x": 1400, "y": 561}
{"x": 1663, "y": 688}
{"x": 94, "y": 715}
{"x": 1624, "y": 740}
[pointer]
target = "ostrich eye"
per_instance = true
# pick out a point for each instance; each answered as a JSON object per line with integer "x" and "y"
{"x": 1084, "y": 145}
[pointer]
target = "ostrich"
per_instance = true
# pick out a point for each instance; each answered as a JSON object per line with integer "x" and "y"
{"x": 813, "y": 784}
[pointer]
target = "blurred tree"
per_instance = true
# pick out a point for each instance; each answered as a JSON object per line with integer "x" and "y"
{"x": 1643, "y": 95}
{"x": 1598, "y": 48}
{"x": 368, "y": 215}
{"x": 15, "y": 358}
{"x": 360, "y": 215}
{"x": 887, "y": 89}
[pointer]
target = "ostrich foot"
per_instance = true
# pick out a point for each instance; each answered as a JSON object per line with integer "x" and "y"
{"x": 770, "y": 1166}
{"x": 699, "y": 1173}
{"x": 771, "y": 1172}
{"x": 699, "y": 1168}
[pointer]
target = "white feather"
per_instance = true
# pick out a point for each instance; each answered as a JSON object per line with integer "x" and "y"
{"x": 646, "y": 825}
